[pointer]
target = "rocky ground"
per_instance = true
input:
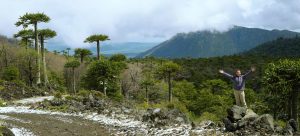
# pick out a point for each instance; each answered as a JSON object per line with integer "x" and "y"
{"x": 43, "y": 125}
{"x": 242, "y": 121}
{"x": 92, "y": 115}
{"x": 23, "y": 119}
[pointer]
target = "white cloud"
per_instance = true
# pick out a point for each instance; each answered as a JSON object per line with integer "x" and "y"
{"x": 149, "y": 20}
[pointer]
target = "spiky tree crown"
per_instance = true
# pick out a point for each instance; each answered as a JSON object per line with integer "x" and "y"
{"x": 47, "y": 33}
{"x": 96, "y": 37}
{"x": 32, "y": 18}
{"x": 25, "y": 34}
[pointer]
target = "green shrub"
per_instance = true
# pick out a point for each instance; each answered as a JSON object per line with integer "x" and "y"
{"x": 117, "y": 96}
{"x": 97, "y": 94}
{"x": 175, "y": 105}
{"x": 118, "y": 57}
{"x": 10, "y": 73}
{"x": 280, "y": 123}
{"x": 103, "y": 74}
{"x": 170, "y": 105}
{"x": 20, "y": 83}
{"x": 69, "y": 98}
{"x": 62, "y": 108}
{"x": 74, "y": 98}
{"x": 84, "y": 93}
{"x": 1, "y": 87}
{"x": 251, "y": 96}
{"x": 259, "y": 106}
{"x": 57, "y": 95}
{"x": 56, "y": 79}
{"x": 143, "y": 105}
{"x": 208, "y": 116}
{"x": 61, "y": 89}
{"x": 2, "y": 103}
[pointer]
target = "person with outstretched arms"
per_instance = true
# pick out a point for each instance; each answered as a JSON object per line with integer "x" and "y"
{"x": 238, "y": 85}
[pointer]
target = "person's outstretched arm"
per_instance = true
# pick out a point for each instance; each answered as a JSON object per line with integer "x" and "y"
{"x": 250, "y": 71}
{"x": 226, "y": 74}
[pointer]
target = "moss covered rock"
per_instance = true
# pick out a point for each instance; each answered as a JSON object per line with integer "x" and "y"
{"x": 4, "y": 131}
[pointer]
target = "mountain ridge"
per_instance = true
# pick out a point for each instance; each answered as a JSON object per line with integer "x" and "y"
{"x": 203, "y": 44}
{"x": 281, "y": 47}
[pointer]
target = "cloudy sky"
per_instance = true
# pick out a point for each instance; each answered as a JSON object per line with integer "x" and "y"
{"x": 149, "y": 20}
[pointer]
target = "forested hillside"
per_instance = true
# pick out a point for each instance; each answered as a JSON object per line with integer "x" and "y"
{"x": 202, "y": 44}
{"x": 281, "y": 47}
{"x": 17, "y": 65}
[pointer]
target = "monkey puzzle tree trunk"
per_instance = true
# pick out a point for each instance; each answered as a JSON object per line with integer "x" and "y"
{"x": 30, "y": 73}
{"x": 5, "y": 56}
{"x": 74, "y": 81}
{"x": 294, "y": 106}
{"x": 98, "y": 50}
{"x": 170, "y": 86}
{"x": 39, "y": 67}
{"x": 26, "y": 44}
{"x": 38, "y": 54}
{"x": 35, "y": 37}
{"x": 289, "y": 106}
{"x": 104, "y": 88}
{"x": 147, "y": 98}
{"x": 81, "y": 58}
{"x": 45, "y": 76}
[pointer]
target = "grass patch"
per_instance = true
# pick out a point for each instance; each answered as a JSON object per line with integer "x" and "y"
{"x": 2, "y": 103}
{"x": 62, "y": 108}
{"x": 280, "y": 123}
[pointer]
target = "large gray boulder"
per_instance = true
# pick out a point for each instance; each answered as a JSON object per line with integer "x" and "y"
{"x": 291, "y": 127}
{"x": 155, "y": 117}
{"x": 242, "y": 121}
{"x": 249, "y": 117}
{"x": 161, "y": 117}
{"x": 229, "y": 126}
{"x": 236, "y": 113}
{"x": 265, "y": 121}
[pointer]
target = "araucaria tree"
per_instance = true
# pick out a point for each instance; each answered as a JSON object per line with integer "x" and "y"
{"x": 45, "y": 34}
{"x": 26, "y": 36}
{"x": 82, "y": 53}
{"x": 168, "y": 70}
{"x": 68, "y": 50}
{"x": 103, "y": 76}
{"x": 147, "y": 82}
{"x": 73, "y": 64}
{"x": 97, "y": 38}
{"x": 282, "y": 80}
{"x": 34, "y": 19}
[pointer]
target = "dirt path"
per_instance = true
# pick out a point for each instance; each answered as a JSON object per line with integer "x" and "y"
{"x": 25, "y": 122}
{"x": 53, "y": 125}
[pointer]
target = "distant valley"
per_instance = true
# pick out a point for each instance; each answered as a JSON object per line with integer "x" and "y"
{"x": 130, "y": 49}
